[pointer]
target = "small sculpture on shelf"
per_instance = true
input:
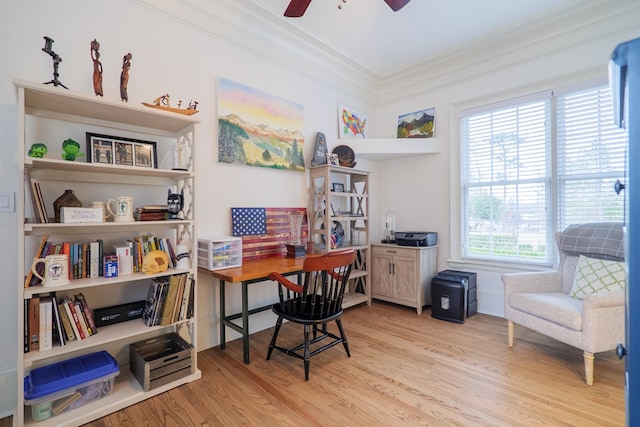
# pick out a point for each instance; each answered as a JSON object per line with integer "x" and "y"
{"x": 163, "y": 102}
{"x": 97, "y": 67}
{"x": 37, "y": 150}
{"x": 71, "y": 150}
{"x": 124, "y": 76}
{"x": 175, "y": 203}
{"x": 320, "y": 150}
{"x": 48, "y": 44}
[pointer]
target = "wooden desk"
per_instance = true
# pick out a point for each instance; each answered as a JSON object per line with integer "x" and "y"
{"x": 251, "y": 271}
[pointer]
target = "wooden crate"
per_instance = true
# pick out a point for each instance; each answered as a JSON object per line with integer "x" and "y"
{"x": 160, "y": 360}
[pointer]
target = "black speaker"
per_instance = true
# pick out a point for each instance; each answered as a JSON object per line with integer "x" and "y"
{"x": 448, "y": 298}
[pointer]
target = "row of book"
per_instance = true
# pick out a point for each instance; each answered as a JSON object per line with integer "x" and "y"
{"x": 50, "y": 320}
{"x": 89, "y": 259}
{"x": 169, "y": 300}
{"x": 37, "y": 201}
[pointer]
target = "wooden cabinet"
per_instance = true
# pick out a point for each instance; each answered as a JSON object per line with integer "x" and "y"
{"x": 50, "y": 115}
{"x": 339, "y": 219}
{"x": 402, "y": 275}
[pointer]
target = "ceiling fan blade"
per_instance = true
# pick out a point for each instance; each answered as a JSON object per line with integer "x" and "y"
{"x": 296, "y": 8}
{"x": 396, "y": 5}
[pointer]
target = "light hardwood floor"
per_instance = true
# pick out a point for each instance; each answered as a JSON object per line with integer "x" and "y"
{"x": 404, "y": 370}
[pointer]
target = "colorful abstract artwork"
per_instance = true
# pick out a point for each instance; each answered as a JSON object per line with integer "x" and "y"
{"x": 352, "y": 124}
{"x": 256, "y": 128}
{"x": 420, "y": 124}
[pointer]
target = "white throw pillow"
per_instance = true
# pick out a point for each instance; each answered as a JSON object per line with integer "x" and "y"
{"x": 595, "y": 276}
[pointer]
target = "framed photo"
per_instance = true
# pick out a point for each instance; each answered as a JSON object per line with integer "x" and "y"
{"x": 332, "y": 159}
{"x": 115, "y": 150}
{"x": 337, "y": 187}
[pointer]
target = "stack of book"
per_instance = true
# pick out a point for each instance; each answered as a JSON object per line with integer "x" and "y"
{"x": 295, "y": 251}
{"x": 152, "y": 213}
{"x": 49, "y": 319}
{"x": 169, "y": 300}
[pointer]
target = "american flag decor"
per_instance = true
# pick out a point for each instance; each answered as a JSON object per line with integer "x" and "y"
{"x": 265, "y": 231}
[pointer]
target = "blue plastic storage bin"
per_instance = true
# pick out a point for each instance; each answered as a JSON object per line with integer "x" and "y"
{"x": 69, "y": 384}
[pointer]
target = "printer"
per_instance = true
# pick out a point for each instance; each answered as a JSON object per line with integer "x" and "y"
{"x": 416, "y": 238}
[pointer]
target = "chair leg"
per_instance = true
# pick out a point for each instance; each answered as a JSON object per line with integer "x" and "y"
{"x": 588, "y": 367}
{"x": 272, "y": 344}
{"x": 306, "y": 352}
{"x": 343, "y": 336}
{"x": 511, "y": 327}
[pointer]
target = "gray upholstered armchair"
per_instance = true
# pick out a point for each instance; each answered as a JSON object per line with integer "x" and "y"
{"x": 582, "y": 302}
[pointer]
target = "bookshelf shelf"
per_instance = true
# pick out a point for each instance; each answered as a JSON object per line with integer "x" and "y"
{"x": 346, "y": 218}
{"x": 50, "y": 115}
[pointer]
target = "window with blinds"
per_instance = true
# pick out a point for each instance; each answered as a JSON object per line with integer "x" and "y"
{"x": 521, "y": 181}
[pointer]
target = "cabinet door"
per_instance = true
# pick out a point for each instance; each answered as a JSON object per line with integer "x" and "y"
{"x": 404, "y": 278}
{"x": 381, "y": 276}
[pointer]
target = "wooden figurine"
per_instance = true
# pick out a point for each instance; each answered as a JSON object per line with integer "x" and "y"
{"x": 97, "y": 67}
{"x": 124, "y": 76}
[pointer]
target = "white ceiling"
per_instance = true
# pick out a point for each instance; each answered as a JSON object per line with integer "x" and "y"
{"x": 384, "y": 42}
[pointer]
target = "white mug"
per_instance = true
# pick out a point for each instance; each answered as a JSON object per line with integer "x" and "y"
{"x": 123, "y": 209}
{"x": 56, "y": 270}
{"x": 101, "y": 205}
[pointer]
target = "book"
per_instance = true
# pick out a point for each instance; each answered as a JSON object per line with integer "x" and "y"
{"x": 39, "y": 254}
{"x": 34, "y": 323}
{"x": 69, "y": 306}
{"x": 94, "y": 259}
{"x": 152, "y": 301}
{"x": 186, "y": 295}
{"x": 66, "y": 322}
{"x": 58, "y": 328}
{"x": 170, "y": 300}
{"x": 25, "y": 316}
{"x": 82, "y": 320}
{"x": 125, "y": 259}
{"x": 88, "y": 313}
{"x": 45, "y": 338}
{"x": 39, "y": 201}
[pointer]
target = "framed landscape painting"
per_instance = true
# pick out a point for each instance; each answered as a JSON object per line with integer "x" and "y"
{"x": 420, "y": 124}
{"x": 256, "y": 128}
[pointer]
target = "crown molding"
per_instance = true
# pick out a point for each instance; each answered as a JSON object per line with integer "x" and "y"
{"x": 247, "y": 26}
{"x": 547, "y": 36}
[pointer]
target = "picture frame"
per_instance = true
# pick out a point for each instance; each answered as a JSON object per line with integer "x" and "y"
{"x": 116, "y": 150}
{"x": 337, "y": 187}
{"x": 332, "y": 159}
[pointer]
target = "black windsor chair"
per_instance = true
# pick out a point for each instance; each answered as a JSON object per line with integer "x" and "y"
{"x": 314, "y": 303}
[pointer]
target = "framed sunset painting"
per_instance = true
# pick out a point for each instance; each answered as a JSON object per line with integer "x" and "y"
{"x": 256, "y": 128}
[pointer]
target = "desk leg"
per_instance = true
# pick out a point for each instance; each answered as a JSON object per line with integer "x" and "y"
{"x": 223, "y": 341}
{"x": 245, "y": 322}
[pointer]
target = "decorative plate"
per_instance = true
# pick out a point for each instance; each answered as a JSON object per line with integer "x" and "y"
{"x": 346, "y": 156}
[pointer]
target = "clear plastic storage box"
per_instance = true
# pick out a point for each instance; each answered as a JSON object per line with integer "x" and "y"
{"x": 70, "y": 384}
{"x": 221, "y": 252}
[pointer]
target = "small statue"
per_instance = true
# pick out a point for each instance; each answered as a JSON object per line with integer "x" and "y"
{"x": 97, "y": 67}
{"x": 37, "y": 150}
{"x": 48, "y": 44}
{"x": 163, "y": 100}
{"x": 70, "y": 150}
{"x": 175, "y": 203}
{"x": 124, "y": 76}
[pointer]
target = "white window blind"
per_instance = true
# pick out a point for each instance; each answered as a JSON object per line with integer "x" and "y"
{"x": 521, "y": 181}
{"x": 505, "y": 182}
{"x": 591, "y": 156}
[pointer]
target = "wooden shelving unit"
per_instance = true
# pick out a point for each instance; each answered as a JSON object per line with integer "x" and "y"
{"x": 48, "y": 112}
{"x": 345, "y": 214}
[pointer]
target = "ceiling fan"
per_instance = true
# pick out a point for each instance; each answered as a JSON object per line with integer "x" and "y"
{"x": 297, "y": 8}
